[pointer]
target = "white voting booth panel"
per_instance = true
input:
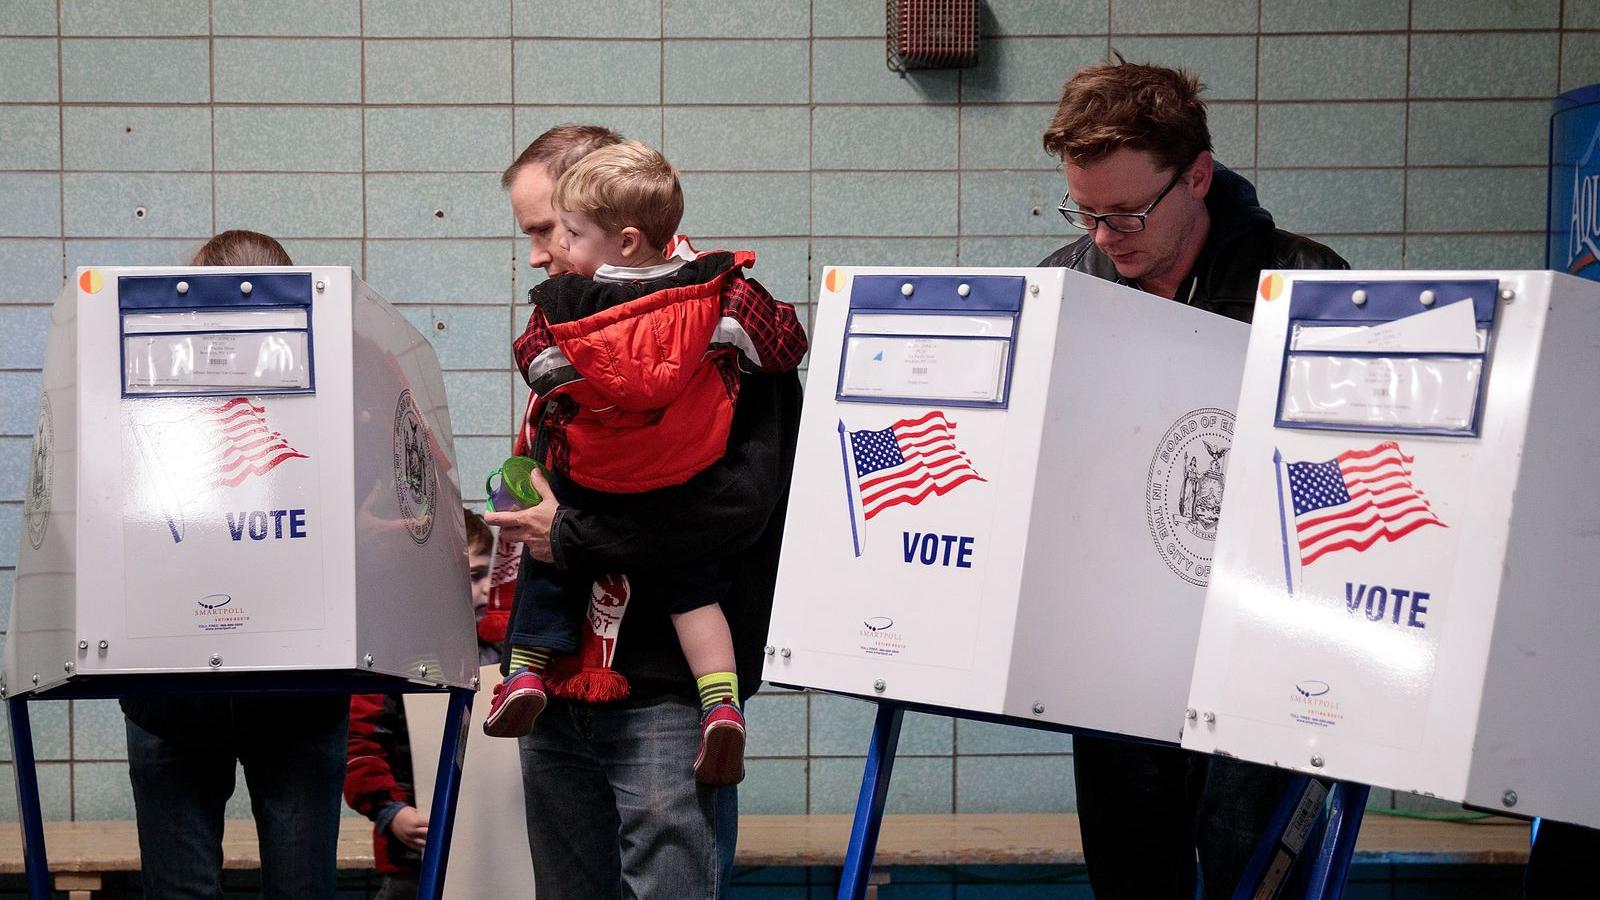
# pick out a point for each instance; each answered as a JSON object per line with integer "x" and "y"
{"x": 1404, "y": 587}
{"x": 238, "y": 470}
{"x": 1005, "y": 494}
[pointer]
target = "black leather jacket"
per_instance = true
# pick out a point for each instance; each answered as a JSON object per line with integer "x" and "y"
{"x": 1242, "y": 242}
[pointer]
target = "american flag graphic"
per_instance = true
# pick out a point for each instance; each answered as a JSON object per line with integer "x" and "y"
{"x": 1354, "y": 500}
{"x": 245, "y": 446}
{"x": 908, "y": 462}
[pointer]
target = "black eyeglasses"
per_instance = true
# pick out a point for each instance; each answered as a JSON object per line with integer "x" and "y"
{"x": 1127, "y": 223}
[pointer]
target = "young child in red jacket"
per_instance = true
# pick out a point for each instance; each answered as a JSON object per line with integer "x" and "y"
{"x": 634, "y": 366}
{"x": 378, "y": 780}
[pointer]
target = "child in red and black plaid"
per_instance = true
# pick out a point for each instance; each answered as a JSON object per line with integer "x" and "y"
{"x": 634, "y": 366}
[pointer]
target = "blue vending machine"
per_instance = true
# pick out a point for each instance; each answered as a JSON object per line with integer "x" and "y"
{"x": 1572, "y": 235}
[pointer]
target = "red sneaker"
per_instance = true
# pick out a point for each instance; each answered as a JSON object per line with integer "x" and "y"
{"x": 721, "y": 759}
{"x": 517, "y": 702}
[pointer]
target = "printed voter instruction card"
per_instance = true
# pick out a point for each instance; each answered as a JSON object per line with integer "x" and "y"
{"x": 1452, "y": 328}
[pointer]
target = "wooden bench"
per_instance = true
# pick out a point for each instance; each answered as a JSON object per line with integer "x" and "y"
{"x": 82, "y": 853}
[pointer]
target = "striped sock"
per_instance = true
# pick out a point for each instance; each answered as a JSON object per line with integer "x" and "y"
{"x": 717, "y": 687}
{"x": 533, "y": 658}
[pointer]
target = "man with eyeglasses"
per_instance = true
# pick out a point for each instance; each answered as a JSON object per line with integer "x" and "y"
{"x": 1161, "y": 216}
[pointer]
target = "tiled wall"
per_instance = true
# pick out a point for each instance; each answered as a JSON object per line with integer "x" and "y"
{"x": 372, "y": 132}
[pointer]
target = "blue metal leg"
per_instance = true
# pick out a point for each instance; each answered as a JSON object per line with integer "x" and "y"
{"x": 1292, "y": 823}
{"x": 869, "y": 805}
{"x": 446, "y": 787}
{"x": 1332, "y": 867}
{"x": 35, "y": 861}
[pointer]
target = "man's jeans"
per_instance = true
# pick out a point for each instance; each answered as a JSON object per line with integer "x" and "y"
{"x": 180, "y": 791}
{"x": 613, "y": 807}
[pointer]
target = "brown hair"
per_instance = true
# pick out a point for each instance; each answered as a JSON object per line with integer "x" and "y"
{"x": 559, "y": 148}
{"x": 480, "y": 540}
{"x": 1121, "y": 104}
{"x": 237, "y": 247}
{"x": 622, "y": 185}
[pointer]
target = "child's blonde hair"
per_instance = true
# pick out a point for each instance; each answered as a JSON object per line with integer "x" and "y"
{"x": 626, "y": 184}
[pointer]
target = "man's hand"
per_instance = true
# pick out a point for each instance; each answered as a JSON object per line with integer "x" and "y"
{"x": 410, "y": 827}
{"x": 531, "y": 526}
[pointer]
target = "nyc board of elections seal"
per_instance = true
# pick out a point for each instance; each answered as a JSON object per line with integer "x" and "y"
{"x": 40, "y": 473}
{"x": 416, "y": 485}
{"x": 1183, "y": 491}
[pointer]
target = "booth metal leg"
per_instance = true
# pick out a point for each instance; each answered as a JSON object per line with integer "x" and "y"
{"x": 446, "y": 787}
{"x": 1332, "y": 866}
{"x": 869, "y": 805}
{"x": 35, "y": 861}
{"x": 1291, "y": 824}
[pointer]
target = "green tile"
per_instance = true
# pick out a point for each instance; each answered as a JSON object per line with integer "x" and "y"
{"x": 1233, "y": 133}
{"x": 290, "y": 205}
{"x": 589, "y": 19}
{"x": 19, "y": 407}
{"x": 1479, "y": 132}
{"x": 137, "y": 138}
{"x": 908, "y": 204}
{"x": 323, "y": 70}
{"x": 638, "y": 123}
{"x": 1580, "y": 59}
{"x": 15, "y": 464}
{"x": 55, "y": 792}
{"x": 842, "y": 726}
{"x": 1043, "y": 17}
{"x": 1182, "y": 16}
{"x": 1332, "y": 134}
{"x": 409, "y": 206}
{"x": 33, "y": 204}
{"x": 1012, "y": 251}
{"x": 106, "y": 252}
{"x": 28, "y": 70}
{"x": 1365, "y": 252}
{"x": 1012, "y": 203}
{"x": 30, "y": 137}
{"x": 481, "y": 454}
{"x": 429, "y": 18}
{"x": 290, "y": 139}
{"x": 295, "y": 18}
{"x": 1478, "y": 199}
{"x": 1355, "y": 200}
{"x": 1465, "y": 15}
{"x": 757, "y": 204}
{"x": 780, "y": 262}
{"x": 777, "y": 725}
{"x": 102, "y": 792}
{"x": 135, "y": 70}
{"x": 1581, "y": 15}
{"x": 754, "y": 19}
{"x": 11, "y": 513}
{"x": 773, "y": 787}
{"x": 473, "y": 337}
{"x": 135, "y": 17}
{"x": 466, "y": 71}
{"x": 854, "y": 71}
{"x": 442, "y": 271}
{"x": 1005, "y": 136}
{"x": 1345, "y": 15}
{"x": 1226, "y": 65}
{"x": 104, "y": 205}
{"x": 991, "y": 738}
{"x": 33, "y": 270}
{"x": 723, "y": 138}
{"x": 29, "y": 17}
{"x": 324, "y": 252}
{"x": 846, "y": 18}
{"x": 1333, "y": 67}
{"x": 99, "y": 731}
{"x": 1483, "y": 65}
{"x": 49, "y": 722}
{"x": 583, "y": 72}
{"x": 7, "y": 576}
{"x": 769, "y": 71}
{"x": 1014, "y": 70}
{"x": 890, "y": 138}
{"x": 1015, "y": 784}
{"x": 920, "y": 785}
{"x": 1475, "y": 251}
{"x": 480, "y": 402}
{"x": 438, "y": 139}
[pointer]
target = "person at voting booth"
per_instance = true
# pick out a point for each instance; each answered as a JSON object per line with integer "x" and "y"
{"x": 610, "y": 794}
{"x": 182, "y": 751}
{"x": 1164, "y": 217}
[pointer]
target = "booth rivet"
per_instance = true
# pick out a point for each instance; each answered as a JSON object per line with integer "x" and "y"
{"x": 1033, "y": 289}
{"x": 422, "y": 671}
{"x": 105, "y": 645}
{"x": 1038, "y": 709}
{"x": 216, "y": 660}
{"x": 246, "y": 287}
{"x": 1210, "y": 717}
{"x": 475, "y": 680}
{"x": 880, "y": 685}
{"x": 368, "y": 660}
{"x": 67, "y": 667}
{"x": 322, "y": 286}
{"x": 1359, "y": 297}
{"x": 83, "y": 645}
{"x": 786, "y": 653}
{"x": 907, "y": 289}
{"x": 1508, "y": 295}
{"x": 963, "y": 290}
{"x": 1317, "y": 760}
{"x": 769, "y": 650}
{"x": 1509, "y": 798}
{"x": 1190, "y": 714}
{"x": 36, "y": 678}
{"x": 183, "y": 287}
{"x": 1428, "y": 297}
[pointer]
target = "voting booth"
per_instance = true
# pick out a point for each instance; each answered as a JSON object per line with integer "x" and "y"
{"x": 1403, "y": 588}
{"x": 240, "y": 479}
{"x": 1006, "y": 490}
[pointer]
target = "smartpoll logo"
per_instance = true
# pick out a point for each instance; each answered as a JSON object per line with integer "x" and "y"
{"x": 1310, "y": 704}
{"x": 1583, "y": 228}
{"x": 878, "y": 637}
